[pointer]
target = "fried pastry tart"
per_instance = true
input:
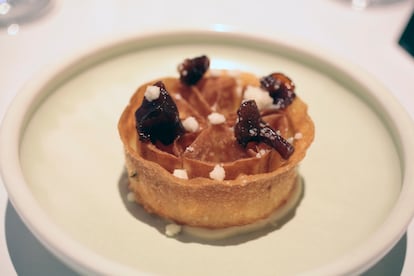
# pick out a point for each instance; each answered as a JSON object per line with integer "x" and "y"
{"x": 214, "y": 148}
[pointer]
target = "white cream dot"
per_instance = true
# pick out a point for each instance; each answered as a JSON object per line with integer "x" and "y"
{"x": 190, "y": 124}
{"x": 152, "y": 93}
{"x": 189, "y": 149}
{"x": 260, "y": 96}
{"x": 261, "y": 153}
{"x": 172, "y": 229}
{"x": 218, "y": 173}
{"x": 131, "y": 197}
{"x": 180, "y": 173}
{"x": 216, "y": 118}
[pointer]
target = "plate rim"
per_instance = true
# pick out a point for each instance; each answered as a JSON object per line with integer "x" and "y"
{"x": 68, "y": 249}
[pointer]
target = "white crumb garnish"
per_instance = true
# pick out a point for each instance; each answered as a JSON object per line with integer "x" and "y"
{"x": 178, "y": 97}
{"x": 172, "y": 229}
{"x": 180, "y": 173}
{"x": 190, "y": 124}
{"x": 189, "y": 149}
{"x": 290, "y": 140}
{"x": 260, "y": 96}
{"x": 216, "y": 118}
{"x": 261, "y": 153}
{"x": 278, "y": 132}
{"x": 218, "y": 173}
{"x": 131, "y": 197}
{"x": 298, "y": 135}
{"x": 152, "y": 93}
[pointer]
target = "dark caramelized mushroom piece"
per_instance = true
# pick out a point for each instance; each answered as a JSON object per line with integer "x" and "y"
{"x": 270, "y": 137}
{"x": 157, "y": 118}
{"x": 247, "y": 128}
{"x": 250, "y": 128}
{"x": 192, "y": 70}
{"x": 280, "y": 88}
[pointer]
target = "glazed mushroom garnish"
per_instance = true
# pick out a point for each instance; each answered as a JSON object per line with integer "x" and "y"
{"x": 192, "y": 70}
{"x": 157, "y": 118}
{"x": 250, "y": 128}
{"x": 280, "y": 88}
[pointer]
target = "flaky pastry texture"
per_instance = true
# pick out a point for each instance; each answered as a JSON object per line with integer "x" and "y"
{"x": 257, "y": 179}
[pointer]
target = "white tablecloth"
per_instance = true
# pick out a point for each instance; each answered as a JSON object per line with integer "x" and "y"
{"x": 367, "y": 38}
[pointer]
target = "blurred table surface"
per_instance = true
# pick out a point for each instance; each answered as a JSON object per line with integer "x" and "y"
{"x": 365, "y": 37}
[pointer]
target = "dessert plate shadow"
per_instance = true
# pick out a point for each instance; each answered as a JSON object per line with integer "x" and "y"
{"x": 61, "y": 161}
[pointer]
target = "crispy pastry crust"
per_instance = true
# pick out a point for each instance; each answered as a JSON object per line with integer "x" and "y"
{"x": 265, "y": 184}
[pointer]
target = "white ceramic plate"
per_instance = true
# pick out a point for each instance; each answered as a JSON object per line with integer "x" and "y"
{"x": 62, "y": 161}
